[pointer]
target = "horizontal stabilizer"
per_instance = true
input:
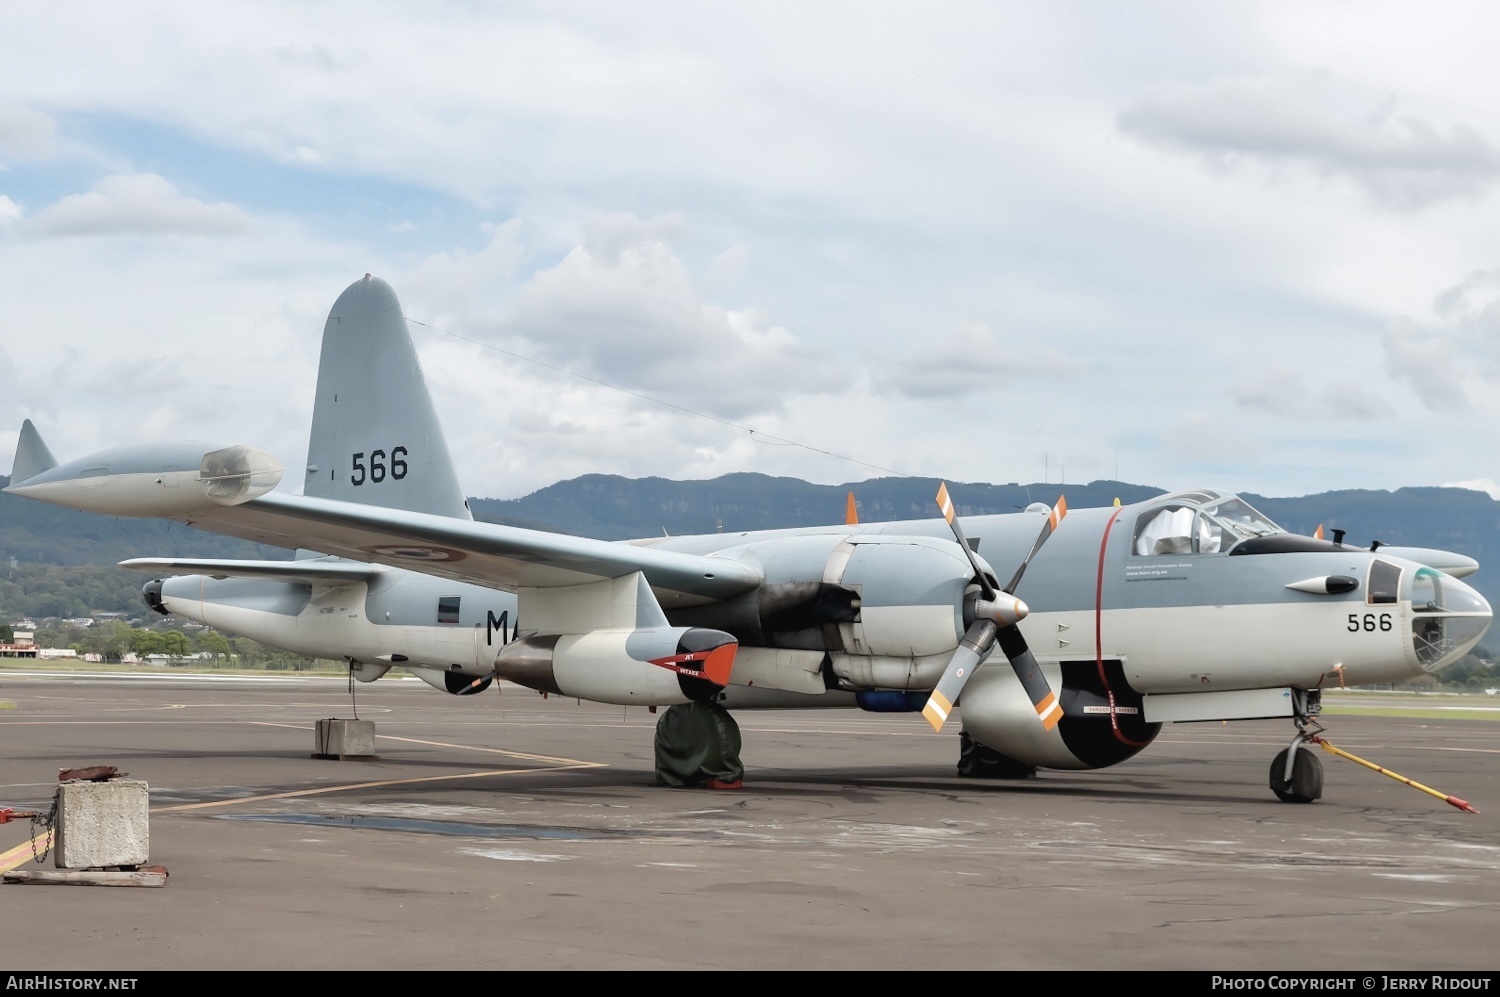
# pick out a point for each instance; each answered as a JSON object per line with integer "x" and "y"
{"x": 32, "y": 455}
{"x": 285, "y": 571}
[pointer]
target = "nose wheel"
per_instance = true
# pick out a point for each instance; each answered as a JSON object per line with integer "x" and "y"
{"x": 1296, "y": 774}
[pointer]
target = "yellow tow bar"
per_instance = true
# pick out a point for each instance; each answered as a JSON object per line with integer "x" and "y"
{"x": 1452, "y": 801}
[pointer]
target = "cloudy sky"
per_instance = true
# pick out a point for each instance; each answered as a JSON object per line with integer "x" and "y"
{"x": 1249, "y": 246}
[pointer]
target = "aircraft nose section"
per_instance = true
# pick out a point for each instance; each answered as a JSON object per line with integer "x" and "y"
{"x": 1448, "y": 618}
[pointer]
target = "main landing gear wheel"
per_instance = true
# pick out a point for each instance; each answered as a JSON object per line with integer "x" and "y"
{"x": 1296, "y": 774}
{"x": 980, "y": 761}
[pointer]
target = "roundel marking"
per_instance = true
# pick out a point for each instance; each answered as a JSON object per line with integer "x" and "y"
{"x": 419, "y": 553}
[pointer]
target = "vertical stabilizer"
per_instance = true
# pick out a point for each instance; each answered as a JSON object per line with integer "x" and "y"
{"x": 375, "y": 436}
{"x": 32, "y": 455}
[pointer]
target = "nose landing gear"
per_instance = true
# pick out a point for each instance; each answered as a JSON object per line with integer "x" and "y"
{"x": 1296, "y": 774}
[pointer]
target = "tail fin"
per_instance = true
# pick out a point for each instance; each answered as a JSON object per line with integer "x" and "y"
{"x": 375, "y": 436}
{"x": 32, "y": 455}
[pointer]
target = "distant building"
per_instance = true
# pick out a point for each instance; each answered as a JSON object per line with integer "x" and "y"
{"x": 23, "y": 645}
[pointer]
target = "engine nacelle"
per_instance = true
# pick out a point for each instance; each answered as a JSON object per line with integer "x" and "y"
{"x": 454, "y": 683}
{"x": 896, "y": 597}
{"x": 1102, "y": 722}
{"x": 647, "y": 667}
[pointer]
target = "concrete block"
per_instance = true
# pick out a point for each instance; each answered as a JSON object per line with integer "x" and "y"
{"x": 345, "y": 739}
{"x": 102, "y": 824}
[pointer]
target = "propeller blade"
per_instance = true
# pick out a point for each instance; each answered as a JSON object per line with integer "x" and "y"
{"x": 946, "y": 504}
{"x": 995, "y": 622}
{"x": 977, "y": 643}
{"x": 1053, "y": 519}
{"x": 851, "y": 513}
{"x": 1013, "y": 646}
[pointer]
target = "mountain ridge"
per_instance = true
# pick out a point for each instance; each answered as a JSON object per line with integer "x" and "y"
{"x": 614, "y": 507}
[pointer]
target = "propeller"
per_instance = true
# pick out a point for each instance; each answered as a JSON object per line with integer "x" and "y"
{"x": 995, "y": 617}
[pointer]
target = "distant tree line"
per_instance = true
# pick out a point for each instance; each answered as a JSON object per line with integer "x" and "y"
{"x": 39, "y": 591}
{"x": 112, "y": 640}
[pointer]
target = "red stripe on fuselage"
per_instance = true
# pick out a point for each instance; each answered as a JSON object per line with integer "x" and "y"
{"x": 1114, "y": 721}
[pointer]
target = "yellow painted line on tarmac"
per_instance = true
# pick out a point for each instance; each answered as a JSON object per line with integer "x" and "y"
{"x": 291, "y": 794}
{"x": 558, "y": 762}
{"x": 552, "y": 764}
{"x": 23, "y": 853}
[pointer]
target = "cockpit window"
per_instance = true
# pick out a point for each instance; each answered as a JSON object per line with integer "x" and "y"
{"x": 1199, "y": 523}
{"x": 1434, "y": 592}
{"x": 1240, "y": 518}
{"x": 1165, "y": 531}
{"x": 1385, "y": 584}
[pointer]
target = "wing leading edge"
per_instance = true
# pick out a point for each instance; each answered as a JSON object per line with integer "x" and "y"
{"x": 505, "y": 557}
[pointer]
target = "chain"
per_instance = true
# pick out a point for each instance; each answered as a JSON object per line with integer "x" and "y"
{"x": 44, "y": 824}
{"x": 353, "y": 700}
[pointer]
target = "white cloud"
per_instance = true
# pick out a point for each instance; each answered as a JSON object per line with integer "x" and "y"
{"x": 135, "y": 204}
{"x": 1429, "y": 363}
{"x": 974, "y": 359}
{"x": 1487, "y": 485}
{"x": 1332, "y": 398}
{"x": 25, "y": 133}
{"x": 1437, "y": 357}
{"x": 621, "y": 306}
{"x": 1400, "y": 160}
{"x": 725, "y": 269}
{"x": 10, "y": 211}
{"x": 853, "y": 185}
{"x": 457, "y": 286}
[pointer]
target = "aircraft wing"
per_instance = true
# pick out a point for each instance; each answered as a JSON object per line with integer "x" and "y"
{"x": 504, "y": 557}
{"x": 281, "y": 571}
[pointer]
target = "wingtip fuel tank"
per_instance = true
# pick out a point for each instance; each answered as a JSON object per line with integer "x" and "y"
{"x": 153, "y": 480}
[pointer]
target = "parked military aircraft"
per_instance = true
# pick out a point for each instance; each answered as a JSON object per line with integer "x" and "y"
{"x": 1188, "y": 607}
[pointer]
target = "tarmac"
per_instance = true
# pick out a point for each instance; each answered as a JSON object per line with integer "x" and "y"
{"x": 512, "y": 831}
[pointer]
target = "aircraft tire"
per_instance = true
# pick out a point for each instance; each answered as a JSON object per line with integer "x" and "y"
{"x": 980, "y": 761}
{"x": 1306, "y": 783}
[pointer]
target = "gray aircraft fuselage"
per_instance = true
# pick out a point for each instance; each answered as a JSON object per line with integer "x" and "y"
{"x": 1125, "y": 633}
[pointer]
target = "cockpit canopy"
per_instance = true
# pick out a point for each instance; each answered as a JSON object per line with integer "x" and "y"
{"x": 1199, "y": 522}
